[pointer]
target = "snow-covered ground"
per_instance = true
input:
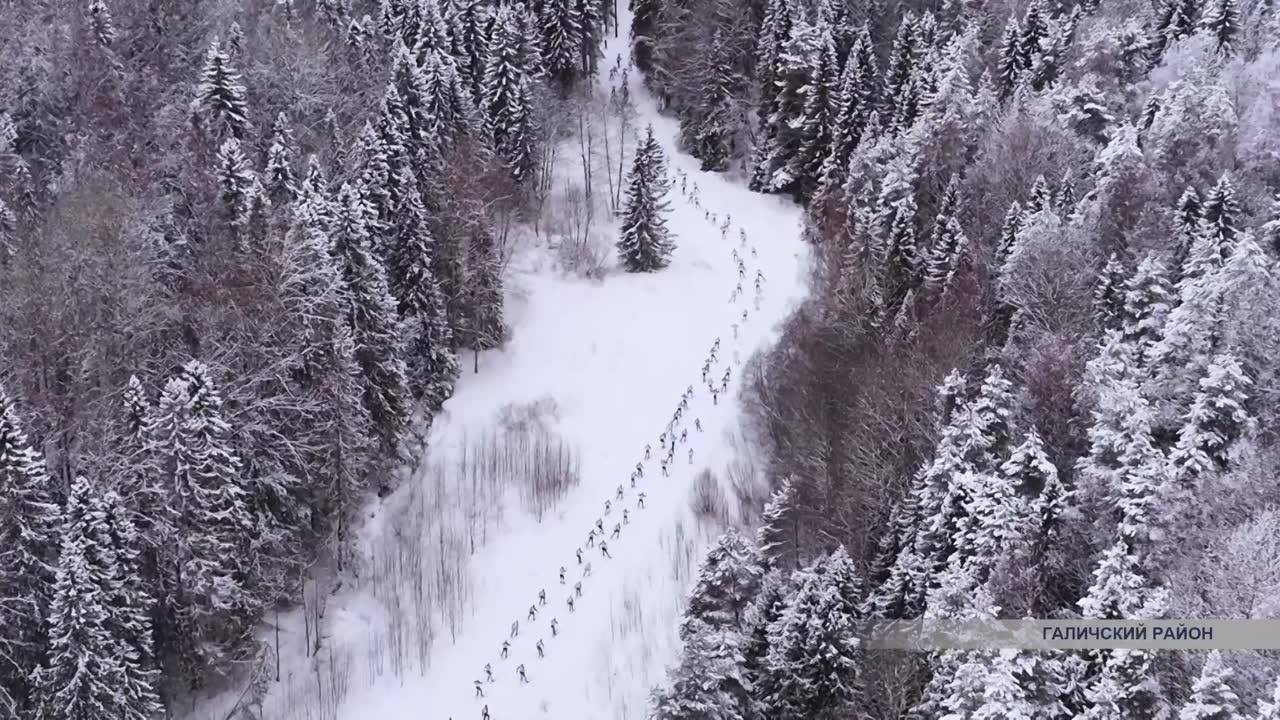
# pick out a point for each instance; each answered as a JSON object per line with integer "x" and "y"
{"x": 609, "y": 361}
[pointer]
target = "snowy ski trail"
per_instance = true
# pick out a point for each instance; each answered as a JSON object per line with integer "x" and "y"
{"x": 617, "y": 357}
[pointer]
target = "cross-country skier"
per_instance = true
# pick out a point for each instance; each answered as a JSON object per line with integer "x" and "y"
{"x": 524, "y": 679}
{"x": 736, "y": 257}
{"x": 744, "y": 314}
{"x": 604, "y": 550}
{"x": 759, "y": 275}
{"x": 715, "y": 396}
{"x": 533, "y": 612}
{"x": 664, "y": 469}
{"x": 600, "y": 523}
{"x": 569, "y": 600}
{"x": 488, "y": 672}
{"x": 619, "y": 493}
{"x": 753, "y": 251}
{"x": 591, "y": 538}
{"x": 540, "y": 653}
{"x": 690, "y": 456}
{"x": 555, "y": 627}
{"x": 617, "y": 530}
{"x": 542, "y": 596}
{"x": 506, "y": 648}
{"x": 684, "y": 436}
{"x": 646, "y": 451}
{"x": 479, "y": 691}
{"x": 579, "y": 552}
{"x": 577, "y": 588}
{"x": 633, "y": 480}
{"x": 625, "y": 517}
{"x": 586, "y": 572}
{"x": 641, "y": 500}
{"x": 697, "y": 424}
{"x": 515, "y": 628}
{"x": 662, "y": 439}
{"x": 561, "y": 574}
{"x": 639, "y": 470}
{"x": 607, "y": 507}
{"x": 484, "y": 714}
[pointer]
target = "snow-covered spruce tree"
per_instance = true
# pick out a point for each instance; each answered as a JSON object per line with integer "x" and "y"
{"x": 236, "y": 185}
{"x": 375, "y": 324}
{"x": 561, "y": 26}
{"x": 432, "y": 366}
{"x": 1109, "y": 295}
{"x": 777, "y": 156}
{"x": 132, "y": 604}
{"x": 220, "y": 107}
{"x": 1216, "y": 419}
{"x": 1013, "y": 222}
{"x": 645, "y": 244}
{"x": 710, "y": 682}
{"x": 1222, "y": 21}
{"x": 1009, "y": 67}
{"x": 92, "y": 671}
{"x": 484, "y": 325}
{"x": 814, "y": 659}
{"x": 278, "y": 176}
{"x": 903, "y": 57}
{"x": 1148, "y": 299}
{"x": 1211, "y": 695}
{"x": 947, "y": 245}
{"x": 818, "y": 116}
{"x": 644, "y": 29}
{"x": 852, "y": 114}
{"x": 322, "y": 362}
{"x": 709, "y": 132}
{"x": 728, "y": 579}
{"x": 508, "y": 93}
{"x": 207, "y": 524}
{"x": 29, "y": 518}
{"x": 778, "y": 534}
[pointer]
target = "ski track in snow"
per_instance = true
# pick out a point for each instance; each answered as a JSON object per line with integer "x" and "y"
{"x": 616, "y": 357}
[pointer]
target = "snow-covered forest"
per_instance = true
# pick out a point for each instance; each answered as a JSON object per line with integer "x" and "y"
{"x": 327, "y": 325}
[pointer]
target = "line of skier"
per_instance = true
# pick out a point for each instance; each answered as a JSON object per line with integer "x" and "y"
{"x": 669, "y": 440}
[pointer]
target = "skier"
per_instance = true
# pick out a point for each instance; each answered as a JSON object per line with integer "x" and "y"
{"x": 555, "y": 627}
{"x": 639, "y": 470}
{"x": 600, "y": 523}
{"x": 542, "y": 597}
{"x": 591, "y": 538}
{"x": 759, "y": 276}
{"x": 506, "y": 648}
{"x": 715, "y": 396}
{"x": 604, "y": 550}
{"x": 664, "y": 469}
{"x": 617, "y": 530}
{"x": 515, "y": 628}
{"x": 570, "y": 601}
{"x": 579, "y": 551}
{"x": 690, "y": 456}
{"x": 706, "y": 369}
{"x": 625, "y": 517}
{"x": 479, "y": 691}
{"x": 540, "y": 653}
{"x": 742, "y": 233}
{"x": 524, "y": 679}
{"x": 646, "y": 451}
{"x": 577, "y": 588}
{"x": 586, "y": 572}
{"x": 561, "y": 574}
{"x": 744, "y": 314}
{"x": 735, "y": 331}
{"x": 641, "y": 501}
{"x": 619, "y": 493}
{"x": 533, "y": 613}
{"x": 736, "y": 257}
{"x": 633, "y": 480}
{"x": 484, "y": 714}
{"x": 488, "y": 672}
{"x": 684, "y": 436}
{"x": 742, "y": 271}
{"x": 689, "y": 391}
{"x": 607, "y": 507}
{"x": 753, "y": 251}
{"x": 662, "y": 439}
{"x": 697, "y": 424}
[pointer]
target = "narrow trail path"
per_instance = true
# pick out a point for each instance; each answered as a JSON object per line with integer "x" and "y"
{"x": 646, "y": 371}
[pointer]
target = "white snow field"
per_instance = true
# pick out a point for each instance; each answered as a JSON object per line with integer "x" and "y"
{"x": 613, "y": 359}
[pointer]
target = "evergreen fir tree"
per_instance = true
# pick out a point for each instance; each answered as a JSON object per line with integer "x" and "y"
{"x": 220, "y": 103}
{"x": 279, "y": 180}
{"x": 1211, "y": 696}
{"x": 1008, "y": 234}
{"x": 728, "y": 579}
{"x": 814, "y": 658}
{"x": 710, "y": 682}
{"x": 207, "y": 523}
{"x": 779, "y": 530}
{"x": 131, "y": 604}
{"x": 1035, "y": 31}
{"x": 1222, "y": 21}
{"x": 376, "y": 327}
{"x": 1221, "y": 215}
{"x": 433, "y": 368}
{"x": 29, "y": 519}
{"x": 901, "y": 66}
{"x": 562, "y": 29}
{"x": 646, "y": 244}
{"x": 485, "y": 327}
{"x": 1217, "y": 418}
{"x": 817, "y": 118}
{"x": 100, "y": 22}
{"x": 1009, "y": 67}
{"x": 777, "y": 161}
{"x": 709, "y": 133}
{"x": 852, "y": 113}
{"x": 1186, "y": 219}
{"x": 236, "y": 181}
{"x": 1109, "y": 295}
{"x": 1148, "y": 299}
{"x": 644, "y": 26}
{"x": 507, "y": 94}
